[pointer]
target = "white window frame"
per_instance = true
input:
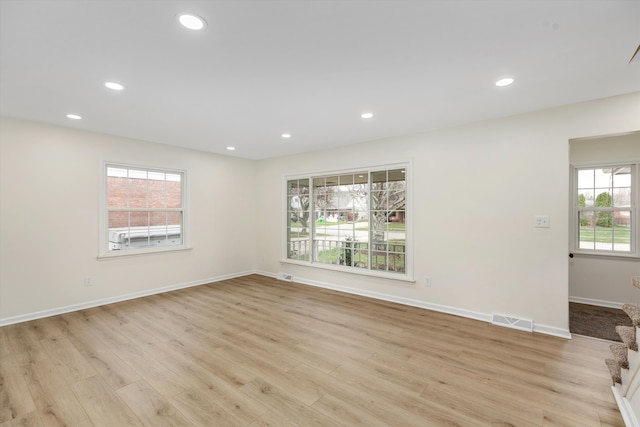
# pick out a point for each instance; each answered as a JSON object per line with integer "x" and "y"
{"x": 575, "y": 209}
{"x": 104, "y": 251}
{"x": 407, "y": 275}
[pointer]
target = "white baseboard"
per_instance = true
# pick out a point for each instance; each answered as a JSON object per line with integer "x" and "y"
{"x": 598, "y": 302}
{"x": 552, "y": 330}
{"x": 485, "y": 317}
{"x": 400, "y": 300}
{"x": 266, "y": 273}
{"x": 628, "y": 416}
{"x": 95, "y": 303}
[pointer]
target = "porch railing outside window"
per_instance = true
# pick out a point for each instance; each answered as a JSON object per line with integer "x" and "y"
{"x": 355, "y": 220}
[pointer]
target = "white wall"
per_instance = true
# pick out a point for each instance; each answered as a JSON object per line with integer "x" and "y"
{"x": 596, "y": 279}
{"x": 49, "y": 208}
{"x": 477, "y": 189}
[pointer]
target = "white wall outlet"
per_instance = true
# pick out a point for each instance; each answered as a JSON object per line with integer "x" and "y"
{"x": 427, "y": 281}
{"x": 543, "y": 221}
{"x": 88, "y": 281}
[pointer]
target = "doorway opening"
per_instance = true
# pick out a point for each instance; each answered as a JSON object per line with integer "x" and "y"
{"x": 603, "y": 232}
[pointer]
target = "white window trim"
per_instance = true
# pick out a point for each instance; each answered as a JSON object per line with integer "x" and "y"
{"x": 635, "y": 196}
{"x": 103, "y": 250}
{"x": 408, "y": 275}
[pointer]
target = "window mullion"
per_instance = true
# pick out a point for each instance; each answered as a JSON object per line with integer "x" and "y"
{"x": 604, "y": 229}
{"x": 118, "y": 209}
{"x": 312, "y": 221}
{"x": 353, "y": 196}
{"x": 635, "y": 201}
{"x": 369, "y": 213}
{"x": 137, "y": 213}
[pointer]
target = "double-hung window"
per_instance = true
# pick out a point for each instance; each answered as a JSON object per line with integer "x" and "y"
{"x": 144, "y": 210}
{"x": 350, "y": 220}
{"x": 605, "y": 209}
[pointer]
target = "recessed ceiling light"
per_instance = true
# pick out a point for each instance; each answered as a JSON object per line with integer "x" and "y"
{"x": 286, "y": 135}
{"x": 504, "y": 82}
{"x": 231, "y": 148}
{"x": 192, "y": 22}
{"x": 74, "y": 116}
{"x": 366, "y": 115}
{"x": 114, "y": 85}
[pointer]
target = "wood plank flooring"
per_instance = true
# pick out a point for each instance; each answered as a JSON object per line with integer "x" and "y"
{"x": 255, "y": 351}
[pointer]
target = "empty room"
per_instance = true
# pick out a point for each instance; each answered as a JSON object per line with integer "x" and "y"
{"x": 319, "y": 213}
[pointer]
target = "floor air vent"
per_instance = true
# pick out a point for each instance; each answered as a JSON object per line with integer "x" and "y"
{"x": 512, "y": 322}
{"x": 286, "y": 277}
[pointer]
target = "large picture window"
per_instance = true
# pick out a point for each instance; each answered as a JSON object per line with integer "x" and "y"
{"x": 354, "y": 220}
{"x": 605, "y": 209}
{"x": 144, "y": 209}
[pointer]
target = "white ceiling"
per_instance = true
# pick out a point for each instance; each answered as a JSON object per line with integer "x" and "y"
{"x": 309, "y": 68}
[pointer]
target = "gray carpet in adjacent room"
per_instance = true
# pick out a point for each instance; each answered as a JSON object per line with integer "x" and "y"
{"x": 597, "y": 322}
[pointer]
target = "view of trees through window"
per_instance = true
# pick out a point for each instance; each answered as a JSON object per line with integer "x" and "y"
{"x": 354, "y": 219}
{"x": 604, "y": 208}
{"x": 144, "y": 208}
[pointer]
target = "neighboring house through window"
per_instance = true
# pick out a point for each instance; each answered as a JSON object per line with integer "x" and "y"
{"x": 354, "y": 220}
{"x": 144, "y": 210}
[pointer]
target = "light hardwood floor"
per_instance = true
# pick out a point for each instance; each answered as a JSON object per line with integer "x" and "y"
{"x": 255, "y": 351}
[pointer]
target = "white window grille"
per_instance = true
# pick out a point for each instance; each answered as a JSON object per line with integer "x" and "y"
{"x": 354, "y": 220}
{"x": 143, "y": 210}
{"x": 605, "y": 211}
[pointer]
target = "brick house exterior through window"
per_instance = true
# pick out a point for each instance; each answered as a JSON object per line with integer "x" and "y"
{"x": 144, "y": 208}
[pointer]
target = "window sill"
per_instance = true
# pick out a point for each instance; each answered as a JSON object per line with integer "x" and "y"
{"x": 361, "y": 272}
{"x": 138, "y": 252}
{"x": 606, "y": 255}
